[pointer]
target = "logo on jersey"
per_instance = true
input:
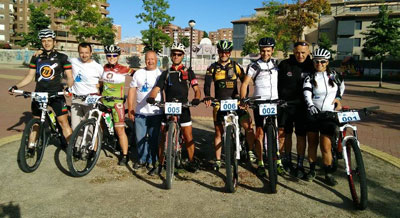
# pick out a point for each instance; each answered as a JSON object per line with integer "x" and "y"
{"x": 47, "y": 72}
{"x": 109, "y": 75}
{"x": 289, "y": 74}
{"x": 78, "y": 78}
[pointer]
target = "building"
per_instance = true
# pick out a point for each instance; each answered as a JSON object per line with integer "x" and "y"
{"x": 6, "y": 21}
{"x": 131, "y": 46}
{"x": 175, "y": 32}
{"x": 221, "y": 34}
{"x": 118, "y": 31}
{"x": 65, "y": 40}
{"x": 349, "y": 18}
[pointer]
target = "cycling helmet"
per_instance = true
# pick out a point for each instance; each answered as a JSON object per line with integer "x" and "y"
{"x": 224, "y": 45}
{"x": 46, "y": 33}
{"x": 322, "y": 53}
{"x": 266, "y": 42}
{"x": 112, "y": 49}
{"x": 178, "y": 47}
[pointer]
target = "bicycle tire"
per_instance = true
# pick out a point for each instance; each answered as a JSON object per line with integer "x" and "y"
{"x": 230, "y": 160}
{"x": 170, "y": 157}
{"x": 272, "y": 158}
{"x": 81, "y": 160}
{"x": 357, "y": 175}
{"x": 29, "y": 159}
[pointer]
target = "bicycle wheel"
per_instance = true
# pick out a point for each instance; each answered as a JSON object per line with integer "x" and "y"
{"x": 230, "y": 160}
{"x": 170, "y": 157}
{"x": 357, "y": 178}
{"x": 272, "y": 158}
{"x": 29, "y": 158}
{"x": 80, "y": 157}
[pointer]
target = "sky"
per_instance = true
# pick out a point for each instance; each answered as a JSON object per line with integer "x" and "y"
{"x": 209, "y": 15}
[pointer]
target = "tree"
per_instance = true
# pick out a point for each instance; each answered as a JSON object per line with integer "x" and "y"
{"x": 37, "y": 21}
{"x": 305, "y": 14}
{"x": 156, "y": 16}
{"x": 85, "y": 20}
{"x": 325, "y": 43}
{"x": 205, "y": 34}
{"x": 133, "y": 61}
{"x": 184, "y": 40}
{"x": 382, "y": 39}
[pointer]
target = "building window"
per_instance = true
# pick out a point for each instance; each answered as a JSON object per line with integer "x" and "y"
{"x": 356, "y": 57}
{"x": 355, "y": 8}
{"x": 358, "y": 25}
{"x": 357, "y": 42}
{"x": 1, "y": 26}
{"x": 1, "y": 17}
{"x": 21, "y": 26}
{"x": 2, "y": 38}
{"x": 1, "y": 6}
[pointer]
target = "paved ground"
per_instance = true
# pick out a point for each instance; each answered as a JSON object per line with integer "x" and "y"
{"x": 112, "y": 191}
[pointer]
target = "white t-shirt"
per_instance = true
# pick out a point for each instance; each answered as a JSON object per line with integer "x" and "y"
{"x": 86, "y": 76}
{"x": 144, "y": 80}
{"x": 266, "y": 83}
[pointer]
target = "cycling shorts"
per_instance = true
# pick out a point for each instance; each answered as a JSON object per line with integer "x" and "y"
{"x": 118, "y": 113}
{"x": 58, "y": 104}
{"x": 325, "y": 127}
{"x": 184, "y": 119}
{"x": 218, "y": 116}
{"x": 293, "y": 114}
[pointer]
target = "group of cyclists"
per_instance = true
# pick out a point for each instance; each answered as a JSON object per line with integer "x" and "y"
{"x": 306, "y": 84}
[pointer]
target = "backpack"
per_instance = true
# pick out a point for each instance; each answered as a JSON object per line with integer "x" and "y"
{"x": 215, "y": 65}
{"x": 256, "y": 66}
{"x": 183, "y": 71}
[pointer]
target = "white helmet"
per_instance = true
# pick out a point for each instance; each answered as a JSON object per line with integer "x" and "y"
{"x": 178, "y": 47}
{"x": 46, "y": 33}
{"x": 112, "y": 49}
{"x": 322, "y": 53}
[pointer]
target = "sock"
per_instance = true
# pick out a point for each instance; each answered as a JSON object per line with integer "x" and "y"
{"x": 260, "y": 163}
{"x": 312, "y": 166}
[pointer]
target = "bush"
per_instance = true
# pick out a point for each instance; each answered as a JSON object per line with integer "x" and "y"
{"x": 133, "y": 61}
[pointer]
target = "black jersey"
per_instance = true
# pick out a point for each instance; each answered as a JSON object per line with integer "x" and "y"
{"x": 49, "y": 71}
{"x": 176, "y": 82}
{"x": 291, "y": 75}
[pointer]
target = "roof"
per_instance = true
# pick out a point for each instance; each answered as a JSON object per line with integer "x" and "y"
{"x": 244, "y": 20}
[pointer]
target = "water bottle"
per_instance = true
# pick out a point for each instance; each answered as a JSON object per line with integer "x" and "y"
{"x": 109, "y": 123}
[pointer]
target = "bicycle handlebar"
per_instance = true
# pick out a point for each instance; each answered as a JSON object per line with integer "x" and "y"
{"x": 29, "y": 94}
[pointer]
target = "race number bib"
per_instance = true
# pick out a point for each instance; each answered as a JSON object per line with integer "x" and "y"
{"x": 92, "y": 99}
{"x": 268, "y": 109}
{"x": 173, "y": 108}
{"x": 229, "y": 105}
{"x": 345, "y": 117}
{"x": 41, "y": 97}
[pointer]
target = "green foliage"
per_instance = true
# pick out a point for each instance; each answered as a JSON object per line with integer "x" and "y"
{"x": 37, "y": 21}
{"x": 155, "y": 14}
{"x": 185, "y": 41}
{"x": 382, "y": 39}
{"x": 96, "y": 57}
{"x": 325, "y": 43}
{"x": 133, "y": 61}
{"x": 165, "y": 62}
{"x": 205, "y": 34}
{"x": 85, "y": 20}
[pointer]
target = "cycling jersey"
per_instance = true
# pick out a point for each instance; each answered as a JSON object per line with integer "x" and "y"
{"x": 265, "y": 78}
{"x": 322, "y": 94}
{"x": 176, "y": 82}
{"x": 49, "y": 71}
{"x": 225, "y": 79}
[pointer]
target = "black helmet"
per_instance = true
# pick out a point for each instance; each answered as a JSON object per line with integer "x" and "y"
{"x": 266, "y": 42}
{"x": 112, "y": 49}
{"x": 224, "y": 45}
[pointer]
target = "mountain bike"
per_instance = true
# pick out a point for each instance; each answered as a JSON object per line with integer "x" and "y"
{"x": 91, "y": 135}
{"x": 38, "y": 132}
{"x": 347, "y": 147}
{"x": 269, "y": 110}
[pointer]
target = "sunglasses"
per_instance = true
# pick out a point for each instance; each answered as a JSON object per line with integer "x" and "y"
{"x": 111, "y": 55}
{"x": 224, "y": 52}
{"x": 320, "y": 61}
{"x": 177, "y": 54}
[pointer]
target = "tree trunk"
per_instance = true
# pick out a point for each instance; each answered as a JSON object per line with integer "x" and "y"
{"x": 380, "y": 75}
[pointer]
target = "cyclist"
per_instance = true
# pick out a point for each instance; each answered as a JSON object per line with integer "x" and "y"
{"x": 264, "y": 74}
{"x": 224, "y": 73}
{"x": 291, "y": 75}
{"x": 48, "y": 69}
{"x": 86, "y": 73}
{"x": 322, "y": 91}
{"x": 176, "y": 82}
{"x": 113, "y": 84}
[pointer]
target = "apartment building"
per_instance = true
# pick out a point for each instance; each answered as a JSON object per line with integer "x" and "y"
{"x": 6, "y": 21}
{"x": 175, "y": 32}
{"x": 65, "y": 40}
{"x": 344, "y": 26}
{"x": 220, "y": 34}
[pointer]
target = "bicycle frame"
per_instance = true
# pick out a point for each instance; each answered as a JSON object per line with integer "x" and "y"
{"x": 343, "y": 139}
{"x": 232, "y": 119}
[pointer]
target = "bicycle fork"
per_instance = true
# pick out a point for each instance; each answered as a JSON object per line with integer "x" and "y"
{"x": 233, "y": 120}
{"x": 96, "y": 129}
{"x": 344, "y": 145}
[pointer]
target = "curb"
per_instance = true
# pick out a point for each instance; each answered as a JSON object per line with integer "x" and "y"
{"x": 381, "y": 155}
{"x": 9, "y": 139}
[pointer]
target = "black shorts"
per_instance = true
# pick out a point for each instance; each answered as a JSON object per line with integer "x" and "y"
{"x": 58, "y": 104}
{"x": 325, "y": 127}
{"x": 184, "y": 119}
{"x": 293, "y": 114}
{"x": 218, "y": 116}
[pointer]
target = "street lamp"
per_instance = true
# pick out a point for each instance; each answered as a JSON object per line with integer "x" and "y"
{"x": 192, "y": 23}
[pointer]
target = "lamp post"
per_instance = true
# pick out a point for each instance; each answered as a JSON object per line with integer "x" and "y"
{"x": 191, "y": 24}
